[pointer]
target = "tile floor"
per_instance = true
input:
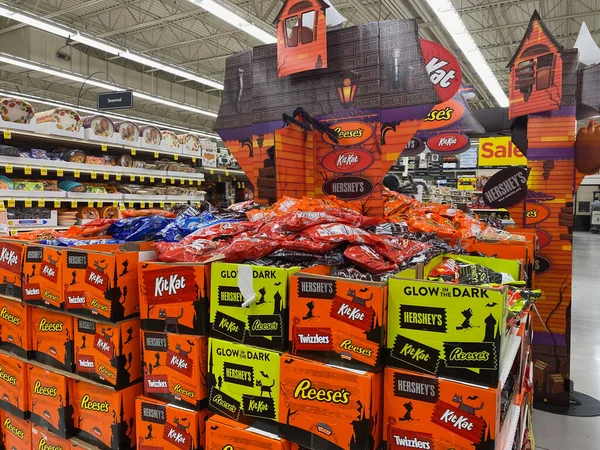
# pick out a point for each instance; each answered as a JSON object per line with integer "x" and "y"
{"x": 555, "y": 432}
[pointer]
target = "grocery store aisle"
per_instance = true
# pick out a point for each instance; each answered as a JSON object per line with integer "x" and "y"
{"x": 554, "y": 432}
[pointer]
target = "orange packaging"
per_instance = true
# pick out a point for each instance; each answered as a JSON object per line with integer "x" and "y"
{"x": 43, "y": 268}
{"x": 337, "y": 320}
{"x": 42, "y": 439}
{"x": 50, "y": 396}
{"x": 52, "y": 338}
{"x": 223, "y": 433}
{"x": 108, "y": 354}
{"x": 162, "y": 426}
{"x": 422, "y": 411}
{"x": 174, "y": 297}
{"x": 175, "y": 368}
{"x": 11, "y": 268}
{"x": 15, "y": 334}
{"x": 13, "y": 386}
{"x": 103, "y": 417}
{"x": 16, "y": 433}
{"x": 102, "y": 282}
{"x": 326, "y": 407}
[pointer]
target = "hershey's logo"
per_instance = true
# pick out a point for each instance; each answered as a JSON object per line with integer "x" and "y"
{"x": 76, "y": 260}
{"x": 168, "y": 285}
{"x": 238, "y": 374}
{"x": 423, "y": 318}
{"x": 86, "y": 326}
{"x": 316, "y": 288}
{"x": 230, "y": 296}
{"x": 154, "y": 413}
{"x": 34, "y": 254}
{"x": 416, "y": 387}
{"x": 156, "y": 341}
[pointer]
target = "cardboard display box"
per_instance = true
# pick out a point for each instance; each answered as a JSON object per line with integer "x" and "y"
{"x": 264, "y": 322}
{"x": 175, "y": 368}
{"x": 15, "y": 334}
{"x": 243, "y": 383}
{"x": 174, "y": 297}
{"x": 14, "y": 387}
{"x": 161, "y": 426}
{"x": 102, "y": 281}
{"x": 16, "y": 433}
{"x": 43, "y": 268}
{"x": 11, "y": 268}
{"x": 324, "y": 407}
{"x": 422, "y": 411}
{"x": 103, "y": 417}
{"x": 52, "y": 336}
{"x": 108, "y": 354}
{"x": 50, "y": 401}
{"x": 42, "y": 439}
{"x": 223, "y": 433}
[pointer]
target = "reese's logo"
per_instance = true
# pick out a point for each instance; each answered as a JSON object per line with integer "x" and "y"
{"x": 306, "y": 391}
{"x": 480, "y": 355}
{"x": 265, "y": 325}
{"x": 347, "y": 344}
{"x": 4, "y": 314}
{"x": 90, "y": 405}
{"x": 13, "y": 429}
{"x": 50, "y": 327}
{"x": 47, "y": 391}
{"x": 222, "y": 403}
{"x": 10, "y": 379}
{"x": 43, "y": 445}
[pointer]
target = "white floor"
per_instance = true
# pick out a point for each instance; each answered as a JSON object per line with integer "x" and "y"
{"x": 555, "y": 432}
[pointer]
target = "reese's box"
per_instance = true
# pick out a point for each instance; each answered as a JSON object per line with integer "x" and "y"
{"x": 16, "y": 433}
{"x": 11, "y": 268}
{"x": 175, "y": 368}
{"x": 42, "y": 439}
{"x": 103, "y": 281}
{"x": 223, "y": 433}
{"x": 13, "y": 386}
{"x": 162, "y": 426}
{"x": 52, "y": 338}
{"x": 42, "y": 276}
{"x": 423, "y": 411}
{"x": 108, "y": 354}
{"x": 243, "y": 383}
{"x": 327, "y": 407}
{"x": 174, "y": 297}
{"x": 263, "y": 289}
{"x": 15, "y": 335}
{"x": 103, "y": 417}
{"x": 50, "y": 396}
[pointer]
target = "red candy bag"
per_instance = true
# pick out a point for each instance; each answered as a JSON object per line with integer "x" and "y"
{"x": 337, "y": 233}
{"x": 367, "y": 258}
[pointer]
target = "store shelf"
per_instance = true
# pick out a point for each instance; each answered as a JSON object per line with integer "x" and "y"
{"x": 94, "y": 196}
{"x": 83, "y": 444}
{"x": 508, "y": 432}
{"x": 39, "y": 227}
{"x": 87, "y": 198}
{"x": 488, "y": 209}
{"x": 513, "y": 345}
{"x": 21, "y": 195}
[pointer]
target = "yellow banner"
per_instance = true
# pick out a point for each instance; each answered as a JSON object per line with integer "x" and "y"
{"x": 499, "y": 151}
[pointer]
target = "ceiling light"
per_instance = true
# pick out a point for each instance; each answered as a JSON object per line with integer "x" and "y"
{"x": 448, "y": 16}
{"x": 50, "y": 27}
{"x": 31, "y": 65}
{"x": 232, "y": 18}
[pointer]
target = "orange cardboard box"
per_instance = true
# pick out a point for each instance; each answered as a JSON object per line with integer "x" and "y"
{"x": 338, "y": 321}
{"x": 103, "y": 417}
{"x": 162, "y": 426}
{"x": 50, "y": 396}
{"x": 11, "y": 268}
{"x": 175, "y": 368}
{"x": 223, "y": 433}
{"x": 108, "y": 354}
{"x": 43, "y": 276}
{"x": 16, "y": 433}
{"x": 42, "y": 439}
{"x": 326, "y": 407}
{"x": 174, "y": 297}
{"x": 422, "y": 411}
{"x": 52, "y": 338}
{"x": 13, "y": 386}
{"x": 102, "y": 281}
{"x": 15, "y": 334}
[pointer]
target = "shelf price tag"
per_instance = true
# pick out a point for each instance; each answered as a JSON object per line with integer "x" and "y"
{"x": 13, "y": 231}
{"x": 91, "y": 203}
{"x": 7, "y": 134}
{"x": 172, "y": 180}
{"x": 121, "y": 206}
{"x": 131, "y": 177}
{"x": 227, "y": 173}
{"x": 57, "y": 203}
{"x": 99, "y": 204}
{"x": 142, "y": 178}
{"x": 182, "y": 181}
{"x": 94, "y": 175}
{"x": 150, "y": 204}
{"x": 193, "y": 159}
{"x": 59, "y": 172}
{"x": 133, "y": 151}
{"x": 44, "y": 171}
{"x": 176, "y": 157}
{"x": 104, "y": 147}
{"x": 8, "y": 168}
{"x": 118, "y": 177}
{"x": 142, "y": 204}
{"x": 212, "y": 171}
{"x": 28, "y": 203}
{"x": 73, "y": 203}
{"x": 27, "y": 170}
{"x": 162, "y": 204}
{"x": 163, "y": 180}
{"x": 41, "y": 202}
{"x": 115, "y": 203}
{"x": 156, "y": 155}
{"x": 106, "y": 175}
{"x": 76, "y": 174}
{"x": 2, "y": 208}
{"x": 130, "y": 204}
{"x": 191, "y": 182}
{"x": 151, "y": 179}
{"x": 11, "y": 202}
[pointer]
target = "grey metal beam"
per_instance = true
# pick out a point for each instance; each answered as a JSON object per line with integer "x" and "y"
{"x": 524, "y": 24}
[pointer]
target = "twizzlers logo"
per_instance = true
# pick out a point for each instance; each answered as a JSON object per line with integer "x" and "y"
{"x": 170, "y": 285}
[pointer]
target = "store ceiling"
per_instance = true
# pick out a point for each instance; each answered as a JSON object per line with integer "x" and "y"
{"x": 182, "y": 33}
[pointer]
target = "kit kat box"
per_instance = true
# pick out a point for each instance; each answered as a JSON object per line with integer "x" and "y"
{"x": 50, "y": 396}
{"x": 52, "y": 338}
{"x": 223, "y": 433}
{"x": 174, "y": 297}
{"x": 162, "y": 426}
{"x": 13, "y": 386}
{"x": 11, "y": 268}
{"x": 108, "y": 354}
{"x": 175, "y": 368}
{"x": 325, "y": 407}
{"x": 15, "y": 334}
{"x": 44, "y": 440}
{"x": 422, "y": 411}
{"x": 42, "y": 276}
{"x": 16, "y": 433}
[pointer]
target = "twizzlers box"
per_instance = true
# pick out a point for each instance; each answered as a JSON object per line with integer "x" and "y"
{"x": 457, "y": 415}
{"x": 13, "y": 386}
{"x": 42, "y": 276}
{"x": 11, "y": 268}
{"x": 174, "y": 297}
{"x": 15, "y": 334}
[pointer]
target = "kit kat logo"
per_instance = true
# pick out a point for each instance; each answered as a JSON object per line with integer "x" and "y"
{"x": 169, "y": 285}
{"x": 97, "y": 406}
{"x": 536, "y": 213}
{"x": 415, "y": 354}
{"x": 96, "y": 278}
{"x": 180, "y": 363}
{"x": 312, "y": 338}
{"x": 348, "y": 188}
{"x": 265, "y": 325}
{"x": 423, "y": 318}
{"x": 11, "y": 318}
{"x": 49, "y": 271}
{"x": 480, "y": 355}
{"x": 316, "y": 288}
{"x": 7, "y": 377}
{"x": 304, "y": 390}
{"x": 403, "y": 439}
{"x": 177, "y": 436}
{"x": 348, "y": 161}
{"x": 457, "y": 420}
{"x": 443, "y": 69}
{"x": 350, "y": 133}
{"x": 449, "y": 143}
{"x": 443, "y": 115}
{"x": 258, "y": 406}
{"x": 46, "y": 391}
{"x": 415, "y": 387}
{"x": 10, "y": 257}
{"x": 353, "y": 313}
{"x": 154, "y": 413}
{"x": 103, "y": 343}
{"x": 13, "y": 429}
{"x": 229, "y": 326}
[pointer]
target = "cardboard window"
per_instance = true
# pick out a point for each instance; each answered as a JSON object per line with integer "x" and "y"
{"x": 309, "y": 27}
{"x": 291, "y": 31}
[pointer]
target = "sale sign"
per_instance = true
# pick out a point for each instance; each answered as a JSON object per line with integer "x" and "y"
{"x": 499, "y": 151}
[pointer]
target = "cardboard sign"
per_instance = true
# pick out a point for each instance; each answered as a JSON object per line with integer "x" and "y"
{"x": 506, "y": 188}
{"x": 449, "y": 143}
{"x": 443, "y": 115}
{"x": 500, "y": 151}
{"x": 443, "y": 69}
{"x": 348, "y": 161}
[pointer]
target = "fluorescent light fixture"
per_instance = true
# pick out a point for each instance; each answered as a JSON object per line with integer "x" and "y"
{"x": 68, "y": 33}
{"x": 31, "y": 65}
{"x": 232, "y": 18}
{"x": 448, "y": 16}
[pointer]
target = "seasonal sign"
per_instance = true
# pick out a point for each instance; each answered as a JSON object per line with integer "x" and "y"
{"x": 443, "y": 69}
{"x": 449, "y": 143}
{"x": 500, "y": 151}
{"x": 506, "y": 188}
